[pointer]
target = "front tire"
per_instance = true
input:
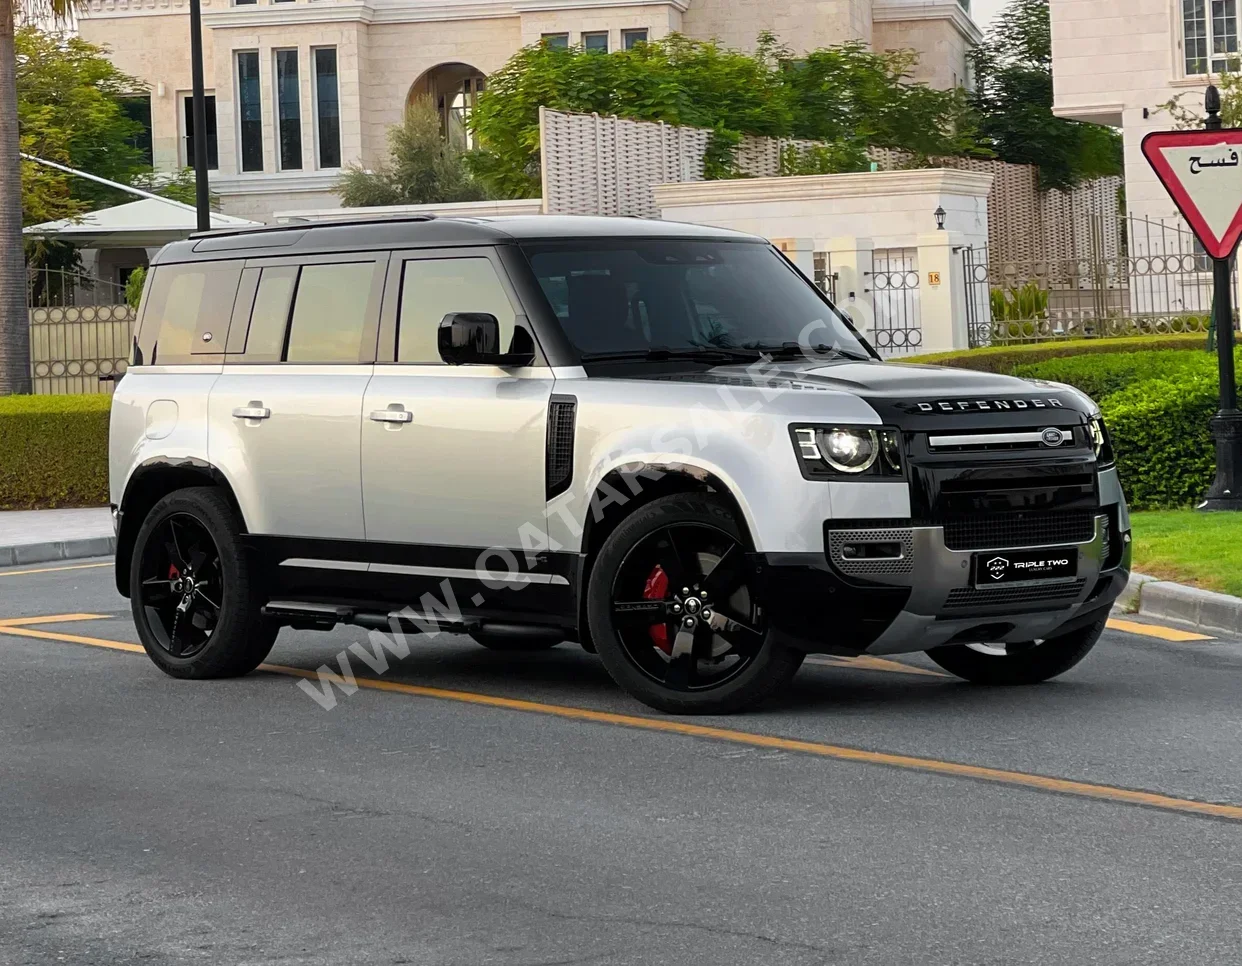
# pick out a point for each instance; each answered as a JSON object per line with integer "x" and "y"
{"x": 192, "y": 589}
{"x": 1010, "y": 665}
{"x": 673, "y": 615}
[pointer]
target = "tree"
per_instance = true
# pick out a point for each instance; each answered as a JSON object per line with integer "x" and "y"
{"x": 847, "y": 96}
{"x": 69, "y": 110}
{"x": 1013, "y": 98}
{"x": 423, "y": 168}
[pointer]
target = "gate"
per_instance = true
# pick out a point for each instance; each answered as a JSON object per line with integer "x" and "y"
{"x": 894, "y": 288}
{"x": 80, "y": 329}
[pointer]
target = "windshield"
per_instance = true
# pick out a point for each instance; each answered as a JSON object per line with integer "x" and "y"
{"x": 633, "y": 296}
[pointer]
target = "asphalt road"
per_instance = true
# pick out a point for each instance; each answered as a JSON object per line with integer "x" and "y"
{"x": 147, "y": 820}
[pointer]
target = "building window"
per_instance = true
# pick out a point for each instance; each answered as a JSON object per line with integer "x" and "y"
{"x": 288, "y": 111}
{"x": 556, "y": 41}
{"x": 244, "y": 3}
{"x": 249, "y": 111}
{"x": 631, "y": 37}
{"x": 138, "y": 110}
{"x": 596, "y": 43}
{"x": 1210, "y": 35}
{"x": 187, "y": 114}
{"x": 327, "y": 108}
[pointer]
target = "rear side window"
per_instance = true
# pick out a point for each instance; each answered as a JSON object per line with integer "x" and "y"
{"x": 330, "y": 313}
{"x": 187, "y": 312}
{"x": 265, "y": 339}
{"x": 435, "y": 287}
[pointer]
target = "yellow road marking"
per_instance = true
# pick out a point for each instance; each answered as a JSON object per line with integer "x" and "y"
{"x": 52, "y": 570}
{"x": 999, "y": 776}
{"x": 866, "y": 663}
{"x": 1156, "y": 630}
{"x": 51, "y": 619}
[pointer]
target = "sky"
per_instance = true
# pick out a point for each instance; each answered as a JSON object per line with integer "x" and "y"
{"x": 982, "y": 11}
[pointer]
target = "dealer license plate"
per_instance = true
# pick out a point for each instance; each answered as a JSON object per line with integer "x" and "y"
{"x": 1014, "y": 566}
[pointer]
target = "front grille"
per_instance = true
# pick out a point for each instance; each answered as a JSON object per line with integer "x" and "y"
{"x": 964, "y": 598}
{"x": 1006, "y": 531}
{"x": 560, "y": 454}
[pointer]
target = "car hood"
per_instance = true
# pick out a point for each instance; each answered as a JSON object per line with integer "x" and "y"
{"x": 906, "y": 389}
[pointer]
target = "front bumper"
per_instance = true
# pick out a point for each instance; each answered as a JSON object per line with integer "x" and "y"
{"x": 929, "y": 598}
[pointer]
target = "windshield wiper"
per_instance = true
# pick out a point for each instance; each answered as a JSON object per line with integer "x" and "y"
{"x": 792, "y": 350}
{"x": 664, "y": 353}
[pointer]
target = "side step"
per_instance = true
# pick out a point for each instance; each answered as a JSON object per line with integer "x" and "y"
{"x": 304, "y": 615}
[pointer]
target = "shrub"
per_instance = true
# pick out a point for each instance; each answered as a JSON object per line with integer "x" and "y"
{"x": 1102, "y": 374}
{"x": 133, "y": 287}
{"x": 1005, "y": 358}
{"x": 1159, "y": 427}
{"x": 53, "y": 451}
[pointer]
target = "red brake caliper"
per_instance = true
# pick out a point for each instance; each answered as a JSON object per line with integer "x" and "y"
{"x": 173, "y": 572}
{"x": 657, "y": 589}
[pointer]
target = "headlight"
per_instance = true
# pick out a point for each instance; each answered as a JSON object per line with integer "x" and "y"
{"x": 835, "y": 451}
{"x": 1099, "y": 440}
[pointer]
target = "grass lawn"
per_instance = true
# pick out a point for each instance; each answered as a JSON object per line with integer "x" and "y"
{"x": 1203, "y": 549}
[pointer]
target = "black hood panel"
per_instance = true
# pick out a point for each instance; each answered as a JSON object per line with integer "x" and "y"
{"x": 915, "y": 397}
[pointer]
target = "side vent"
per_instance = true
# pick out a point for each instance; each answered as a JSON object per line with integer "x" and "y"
{"x": 560, "y": 445}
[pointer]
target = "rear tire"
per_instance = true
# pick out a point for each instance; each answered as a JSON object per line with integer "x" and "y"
{"x": 193, "y": 591}
{"x": 1032, "y": 664}
{"x": 727, "y": 660}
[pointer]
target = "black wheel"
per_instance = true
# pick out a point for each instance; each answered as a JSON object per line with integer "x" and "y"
{"x": 501, "y": 642}
{"x": 673, "y": 615}
{"x": 193, "y": 598}
{"x": 1012, "y": 664}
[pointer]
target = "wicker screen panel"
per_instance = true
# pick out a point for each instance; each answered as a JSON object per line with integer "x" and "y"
{"x": 606, "y": 165}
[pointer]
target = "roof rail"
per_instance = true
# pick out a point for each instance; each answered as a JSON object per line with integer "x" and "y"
{"x": 305, "y": 225}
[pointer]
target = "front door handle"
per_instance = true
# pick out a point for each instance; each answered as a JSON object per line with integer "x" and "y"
{"x": 256, "y": 410}
{"x": 395, "y": 413}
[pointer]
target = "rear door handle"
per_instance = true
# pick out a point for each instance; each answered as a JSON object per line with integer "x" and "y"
{"x": 256, "y": 410}
{"x": 395, "y": 413}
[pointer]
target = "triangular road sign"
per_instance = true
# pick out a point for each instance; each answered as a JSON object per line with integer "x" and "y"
{"x": 1202, "y": 170}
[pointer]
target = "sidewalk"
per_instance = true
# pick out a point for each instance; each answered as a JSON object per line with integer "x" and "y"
{"x": 39, "y": 536}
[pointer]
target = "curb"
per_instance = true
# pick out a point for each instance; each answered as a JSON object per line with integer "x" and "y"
{"x": 1165, "y": 600}
{"x": 52, "y": 550}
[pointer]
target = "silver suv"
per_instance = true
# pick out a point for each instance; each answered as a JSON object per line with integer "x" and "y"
{"x": 658, "y": 441}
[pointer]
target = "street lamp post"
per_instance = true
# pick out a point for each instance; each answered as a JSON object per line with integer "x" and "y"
{"x": 1226, "y": 427}
{"x": 202, "y": 192}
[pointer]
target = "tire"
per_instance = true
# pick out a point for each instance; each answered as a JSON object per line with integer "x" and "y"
{"x": 1032, "y": 664}
{"x": 497, "y": 642}
{"x": 728, "y": 661}
{"x": 221, "y": 632}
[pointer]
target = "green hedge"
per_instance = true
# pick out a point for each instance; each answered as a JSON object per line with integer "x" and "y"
{"x": 53, "y": 451}
{"x": 1099, "y": 376}
{"x": 1159, "y": 427}
{"x": 1005, "y": 358}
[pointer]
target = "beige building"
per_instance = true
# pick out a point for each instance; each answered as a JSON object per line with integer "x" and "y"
{"x": 298, "y": 88}
{"x": 1115, "y": 62}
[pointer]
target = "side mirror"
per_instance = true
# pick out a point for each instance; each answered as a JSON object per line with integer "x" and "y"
{"x": 473, "y": 339}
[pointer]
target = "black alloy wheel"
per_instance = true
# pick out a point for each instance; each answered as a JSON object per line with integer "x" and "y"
{"x": 682, "y": 609}
{"x": 674, "y": 613}
{"x": 196, "y": 598}
{"x": 182, "y": 586}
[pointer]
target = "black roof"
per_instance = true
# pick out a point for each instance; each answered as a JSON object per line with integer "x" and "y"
{"x": 382, "y": 233}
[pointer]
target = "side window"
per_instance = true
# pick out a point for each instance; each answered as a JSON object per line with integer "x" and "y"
{"x": 265, "y": 337}
{"x": 329, "y": 312}
{"x": 183, "y": 304}
{"x": 435, "y": 287}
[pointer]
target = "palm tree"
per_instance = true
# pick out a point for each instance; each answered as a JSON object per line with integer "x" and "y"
{"x": 14, "y": 319}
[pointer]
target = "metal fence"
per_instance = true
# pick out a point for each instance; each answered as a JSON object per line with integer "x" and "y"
{"x": 1161, "y": 283}
{"x": 80, "y": 329}
{"x": 894, "y": 286}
